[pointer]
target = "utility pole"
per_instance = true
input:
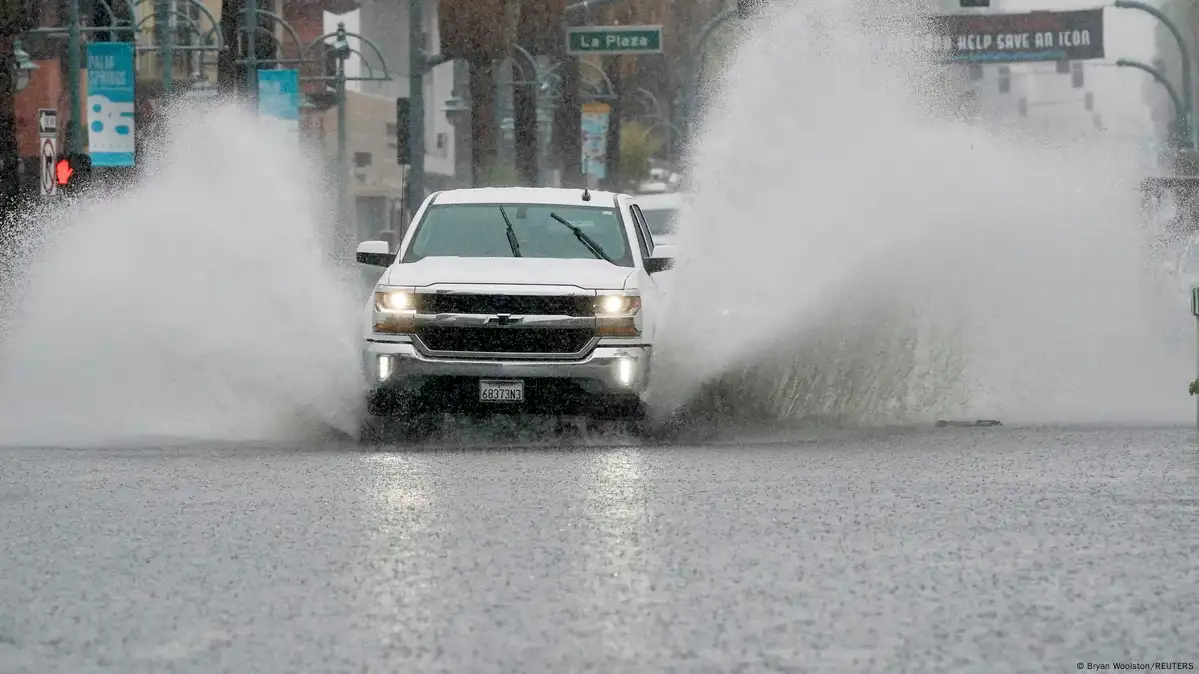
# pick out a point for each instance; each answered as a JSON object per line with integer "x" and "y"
{"x": 419, "y": 63}
{"x": 76, "y": 132}
{"x": 251, "y": 23}
{"x": 163, "y": 18}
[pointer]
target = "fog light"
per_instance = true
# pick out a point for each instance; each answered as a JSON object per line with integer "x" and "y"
{"x": 384, "y": 367}
{"x": 624, "y": 371}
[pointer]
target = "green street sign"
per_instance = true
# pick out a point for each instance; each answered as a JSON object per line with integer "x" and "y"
{"x": 582, "y": 40}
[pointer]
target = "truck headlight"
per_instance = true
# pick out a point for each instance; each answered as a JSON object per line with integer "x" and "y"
{"x": 389, "y": 301}
{"x": 617, "y": 305}
{"x": 616, "y": 315}
{"x": 395, "y": 311}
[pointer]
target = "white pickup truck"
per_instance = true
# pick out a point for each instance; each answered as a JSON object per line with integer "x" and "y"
{"x": 500, "y": 300}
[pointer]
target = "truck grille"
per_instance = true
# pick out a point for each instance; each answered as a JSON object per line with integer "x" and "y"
{"x": 505, "y": 340}
{"x": 541, "y": 305}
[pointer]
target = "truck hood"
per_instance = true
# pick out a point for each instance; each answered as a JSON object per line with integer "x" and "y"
{"x": 587, "y": 274}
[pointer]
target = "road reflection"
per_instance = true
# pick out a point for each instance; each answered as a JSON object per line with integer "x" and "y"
{"x": 400, "y": 595}
{"x": 617, "y": 550}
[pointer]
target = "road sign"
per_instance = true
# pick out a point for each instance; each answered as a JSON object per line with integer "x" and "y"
{"x": 614, "y": 40}
{"x": 47, "y": 122}
{"x": 49, "y": 160}
{"x": 1010, "y": 38}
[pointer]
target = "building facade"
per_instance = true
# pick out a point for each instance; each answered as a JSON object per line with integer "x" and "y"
{"x": 377, "y": 180}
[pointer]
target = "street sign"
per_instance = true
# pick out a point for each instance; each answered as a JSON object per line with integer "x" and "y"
{"x": 1011, "y": 38}
{"x": 582, "y": 40}
{"x": 47, "y": 122}
{"x": 49, "y": 160}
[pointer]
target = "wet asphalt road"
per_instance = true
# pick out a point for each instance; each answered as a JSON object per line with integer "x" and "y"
{"x": 964, "y": 550}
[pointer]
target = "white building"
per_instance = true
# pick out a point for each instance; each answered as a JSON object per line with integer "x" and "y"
{"x": 377, "y": 179}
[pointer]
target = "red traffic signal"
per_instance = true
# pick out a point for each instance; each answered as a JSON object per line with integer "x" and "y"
{"x": 72, "y": 170}
{"x": 63, "y": 171}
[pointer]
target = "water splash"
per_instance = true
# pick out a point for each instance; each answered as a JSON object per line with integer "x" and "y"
{"x": 884, "y": 260}
{"x": 199, "y": 303}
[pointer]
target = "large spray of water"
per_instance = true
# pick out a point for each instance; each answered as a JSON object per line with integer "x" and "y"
{"x": 876, "y": 261}
{"x": 200, "y": 303}
{"x": 883, "y": 262}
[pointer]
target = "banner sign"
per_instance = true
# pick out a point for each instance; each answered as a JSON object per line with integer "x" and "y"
{"x": 1012, "y": 38}
{"x": 595, "y": 139}
{"x": 110, "y": 87}
{"x": 279, "y": 98}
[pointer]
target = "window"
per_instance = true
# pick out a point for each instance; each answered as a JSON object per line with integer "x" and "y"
{"x": 660, "y": 220}
{"x": 478, "y": 230}
{"x": 643, "y": 238}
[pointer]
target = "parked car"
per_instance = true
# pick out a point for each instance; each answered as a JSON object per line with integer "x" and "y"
{"x": 500, "y": 300}
{"x": 661, "y": 211}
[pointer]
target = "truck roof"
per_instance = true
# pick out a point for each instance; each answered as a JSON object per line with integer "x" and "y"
{"x": 524, "y": 195}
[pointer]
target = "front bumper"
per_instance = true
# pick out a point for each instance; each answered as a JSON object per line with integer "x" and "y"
{"x": 609, "y": 377}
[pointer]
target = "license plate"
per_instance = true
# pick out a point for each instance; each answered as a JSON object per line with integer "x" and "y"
{"x": 502, "y": 391}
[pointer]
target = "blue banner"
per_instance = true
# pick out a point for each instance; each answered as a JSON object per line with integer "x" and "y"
{"x": 279, "y": 98}
{"x": 595, "y": 139}
{"x": 110, "y": 87}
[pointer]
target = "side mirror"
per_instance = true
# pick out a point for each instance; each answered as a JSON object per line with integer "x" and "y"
{"x": 654, "y": 265}
{"x": 664, "y": 250}
{"x": 375, "y": 253}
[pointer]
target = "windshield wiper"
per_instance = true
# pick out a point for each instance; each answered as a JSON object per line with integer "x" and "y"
{"x": 512, "y": 242}
{"x": 592, "y": 246}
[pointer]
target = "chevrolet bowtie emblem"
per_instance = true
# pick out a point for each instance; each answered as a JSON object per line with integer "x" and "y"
{"x": 505, "y": 319}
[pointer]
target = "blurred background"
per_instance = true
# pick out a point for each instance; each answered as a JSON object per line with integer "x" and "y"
{"x": 502, "y": 95}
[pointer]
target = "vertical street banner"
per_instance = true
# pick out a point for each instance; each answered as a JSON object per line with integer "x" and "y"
{"x": 1014, "y": 38}
{"x": 279, "y": 100}
{"x": 595, "y": 139}
{"x": 110, "y": 117}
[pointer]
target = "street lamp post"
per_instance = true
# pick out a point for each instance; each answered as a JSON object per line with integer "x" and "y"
{"x": 420, "y": 62}
{"x": 166, "y": 46}
{"x": 690, "y": 71}
{"x": 1180, "y": 110}
{"x": 22, "y": 65}
{"x": 342, "y": 51}
{"x": 341, "y": 47}
{"x": 251, "y": 29}
{"x": 1193, "y": 130}
{"x": 75, "y": 128}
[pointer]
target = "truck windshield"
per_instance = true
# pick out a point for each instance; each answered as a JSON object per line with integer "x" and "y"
{"x": 479, "y": 230}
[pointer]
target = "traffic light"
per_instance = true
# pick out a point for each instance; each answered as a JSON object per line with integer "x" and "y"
{"x": 1005, "y": 79}
{"x": 1023, "y": 107}
{"x": 974, "y": 4}
{"x": 403, "y": 120}
{"x": 1063, "y": 67}
{"x": 72, "y": 172}
{"x": 1088, "y": 101}
{"x": 976, "y": 72}
{"x": 1076, "y": 80}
